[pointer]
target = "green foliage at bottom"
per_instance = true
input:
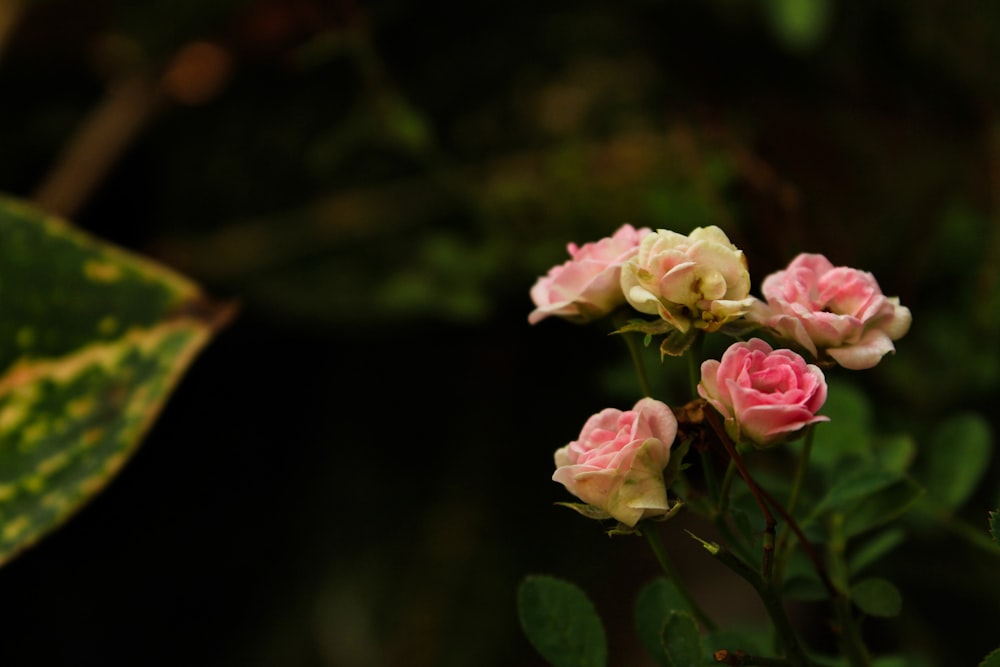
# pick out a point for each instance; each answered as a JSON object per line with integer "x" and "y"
{"x": 654, "y": 604}
{"x": 992, "y": 660}
{"x": 681, "y": 641}
{"x": 561, "y": 623}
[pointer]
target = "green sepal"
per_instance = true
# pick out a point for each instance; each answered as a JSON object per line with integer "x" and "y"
{"x": 740, "y": 328}
{"x": 622, "y": 529}
{"x": 675, "y": 464}
{"x": 648, "y": 327}
{"x": 625, "y": 529}
{"x": 677, "y": 342}
{"x": 586, "y": 510}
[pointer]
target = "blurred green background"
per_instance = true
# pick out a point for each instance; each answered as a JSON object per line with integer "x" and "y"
{"x": 356, "y": 472}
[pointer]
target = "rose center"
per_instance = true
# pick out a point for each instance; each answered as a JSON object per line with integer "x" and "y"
{"x": 773, "y": 380}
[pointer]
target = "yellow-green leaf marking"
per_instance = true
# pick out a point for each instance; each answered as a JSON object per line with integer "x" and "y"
{"x": 92, "y": 341}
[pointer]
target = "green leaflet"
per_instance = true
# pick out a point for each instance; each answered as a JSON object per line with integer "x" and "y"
{"x": 992, "y": 660}
{"x": 561, "y": 623}
{"x": 653, "y": 606}
{"x": 92, "y": 341}
{"x": 681, "y": 641}
{"x": 956, "y": 459}
{"x": 877, "y": 597}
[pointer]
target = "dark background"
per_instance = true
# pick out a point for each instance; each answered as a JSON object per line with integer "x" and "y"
{"x": 356, "y": 472}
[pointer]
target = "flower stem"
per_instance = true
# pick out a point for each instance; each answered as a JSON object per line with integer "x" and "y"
{"x": 653, "y": 538}
{"x": 765, "y": 499}
{"x": 635, "y": 352}
{"x": 727, "y": 484}
{"x": 782, "y": 626}
{"x": 785, "y": 542}
{"x": 693, "y": 355}
{"x": 800, "y": 470}
{"x": 755, "y": 490}
{"x": 851, "y": 641}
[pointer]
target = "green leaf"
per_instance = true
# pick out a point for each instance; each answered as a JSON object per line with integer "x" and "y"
{"x": 956, "y": 459}
{"x": 895, "y": 453}
{"x": 681, "y": 641}
{"x": 882, "y": 507}
{"x": 874, "y": 549}
{"x": 755, "y": 641}
{"x": 561, "y": 623}
{"x": 848, "y": 433}
{"x": 877, "y": 597}
{"x": 800, "y": 579}
{"x": 849, "y": 490}
{"x": 653, "y": 606}
{"x": 92, "y": 341}
{"x": 800, "y": 24}
{"x": 995, "y": 526}
{"x": 992, "y": 660}
{"x": 901, "y": 661}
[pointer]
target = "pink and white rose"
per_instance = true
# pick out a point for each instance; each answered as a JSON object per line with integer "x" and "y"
{"x": 588, "y": 285}
{"x": 617, "y": 463}
{"x": 766, "y": 396}
{"x": 698, "y": 280}
{"x": 834, "y": 313}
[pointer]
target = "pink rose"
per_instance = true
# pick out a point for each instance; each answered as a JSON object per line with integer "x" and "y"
{"x": 587, "y": 286}
{"x": 766, "y": 396}
{"x": 833, "y": 312}
{"x": 617, "y": 463}
{"x": 698, "y": 280}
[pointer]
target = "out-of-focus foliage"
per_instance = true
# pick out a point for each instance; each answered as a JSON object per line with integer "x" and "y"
{"x": 92, "y": 341}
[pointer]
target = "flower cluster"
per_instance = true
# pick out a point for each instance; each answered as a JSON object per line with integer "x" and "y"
{"x": 698, "y": 284}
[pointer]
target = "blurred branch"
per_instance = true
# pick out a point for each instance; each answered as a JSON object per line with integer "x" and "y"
{"x": 10, "y": 13}
{"x": 194, "y": 75}
{"x": 97, "y": 145}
